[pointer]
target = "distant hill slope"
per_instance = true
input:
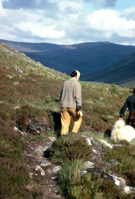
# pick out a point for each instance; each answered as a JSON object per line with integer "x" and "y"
{"x": 86, "y": 57}
{"x": 121, "y": 73}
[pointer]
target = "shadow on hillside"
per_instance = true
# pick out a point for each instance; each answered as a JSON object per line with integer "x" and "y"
{"x": 57, "y": 122}
{"x": 107, "y": 133}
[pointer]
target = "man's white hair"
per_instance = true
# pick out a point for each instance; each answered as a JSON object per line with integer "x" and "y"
{"x": 78, "y": 74}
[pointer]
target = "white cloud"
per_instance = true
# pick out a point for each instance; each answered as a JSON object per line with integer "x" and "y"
{"x": 66, "y": 4}
{"x": 2, "y": 11}
{"x": 110, "y": 22}
{"x": 66, "y": 22}
{"x": 39, "y": 30}
{"x": 129, "y": 13}
{"x": 102, "y": 3}
{"x": 29, "y": 23}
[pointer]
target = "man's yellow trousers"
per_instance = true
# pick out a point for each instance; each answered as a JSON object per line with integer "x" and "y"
{"x": 66, "y": 115}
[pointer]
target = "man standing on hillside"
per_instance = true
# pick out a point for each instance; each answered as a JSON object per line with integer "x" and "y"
{"x": 71, "y": 102}
{"x": 130, "y": 104}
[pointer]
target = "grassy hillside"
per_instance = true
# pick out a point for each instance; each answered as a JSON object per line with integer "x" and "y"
{"x": 33, "y": 92}
{"x": 86, "y": 57}
{"x": 122, "y": 73}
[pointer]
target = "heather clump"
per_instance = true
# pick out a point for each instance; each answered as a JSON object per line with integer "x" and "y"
{"x": 64, "y": 150}
{"x": 14, "y": 174}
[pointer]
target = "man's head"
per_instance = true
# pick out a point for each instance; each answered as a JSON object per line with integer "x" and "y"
{"x": 133, "y": 90}
{"x": 75, "y": 74}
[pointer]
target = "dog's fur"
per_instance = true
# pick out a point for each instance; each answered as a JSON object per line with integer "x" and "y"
{"x": 121, "y": 131}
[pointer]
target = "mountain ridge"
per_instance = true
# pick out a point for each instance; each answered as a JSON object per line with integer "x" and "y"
{"x": 87, "y": 57}
{"x": 121, "y": 73}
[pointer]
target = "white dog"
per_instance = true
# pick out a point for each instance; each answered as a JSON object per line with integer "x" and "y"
{"x": 121, "y": 131}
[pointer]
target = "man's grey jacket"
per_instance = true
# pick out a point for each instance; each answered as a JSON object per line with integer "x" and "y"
{"x": 70, "y": 95}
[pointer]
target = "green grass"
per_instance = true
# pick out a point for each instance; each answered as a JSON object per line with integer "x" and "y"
{"x": 125, "y": 156}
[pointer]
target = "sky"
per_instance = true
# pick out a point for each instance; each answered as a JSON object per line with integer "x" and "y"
{"x": 68, "y": 21}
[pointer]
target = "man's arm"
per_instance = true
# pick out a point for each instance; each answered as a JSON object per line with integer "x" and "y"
{"x": 61, "y": 93}
{"x": 123, "y": 109}
{"x": 78, "y": 97}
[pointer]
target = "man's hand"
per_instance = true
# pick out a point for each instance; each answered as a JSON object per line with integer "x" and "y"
{"x": 120, "y": 118}
{"x": 78, "y": 108}
{"x": 79, "y": 113}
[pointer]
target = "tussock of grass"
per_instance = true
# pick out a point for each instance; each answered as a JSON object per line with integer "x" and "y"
{"x": 73, "y": 185}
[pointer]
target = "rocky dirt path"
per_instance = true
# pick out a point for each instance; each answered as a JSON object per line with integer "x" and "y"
{"x": 41, "y": 170}
{"x": 43, "y": 173}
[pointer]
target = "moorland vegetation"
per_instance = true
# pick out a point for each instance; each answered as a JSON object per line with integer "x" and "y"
{"x": 33, "y": 92}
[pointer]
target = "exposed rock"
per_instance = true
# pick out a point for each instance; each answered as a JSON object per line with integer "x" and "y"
{"x": 37, "y": 125}
{"x": 88, "y": 140}
{"x": 127, "y": 190}
{"x": 56, "y": 169}
{"x": 105, "y": 143}
{"x": 117, "y": 182}
{"x": 15, "y": 83}
{"x": 29, "y": 155}
{"x": 38, "y": 168}
{"x": 94, "y": 151}
{"x": 47, "y": 148}
{"x": 88, "y": 164}
{"x": 117, "y": 145}
{"x": 18, "y": 69}
{"x": 110, "y": 116}
{"x": 16, "y": 107}
{"x": 99, "y": 172}
{"x": 50, "y": 74}
{"x": 52, "y": 139}
{"x": 122, "y": 180}
{"x": 84, "y": 173}
{"x": 9, "y": 76}
{"x": 39, "y": 150}
{"x": 16, "y": 129}
{"x": 31, "y": 174}
{"x": 54, "y": 177}
{"x": 45, "y": 163}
